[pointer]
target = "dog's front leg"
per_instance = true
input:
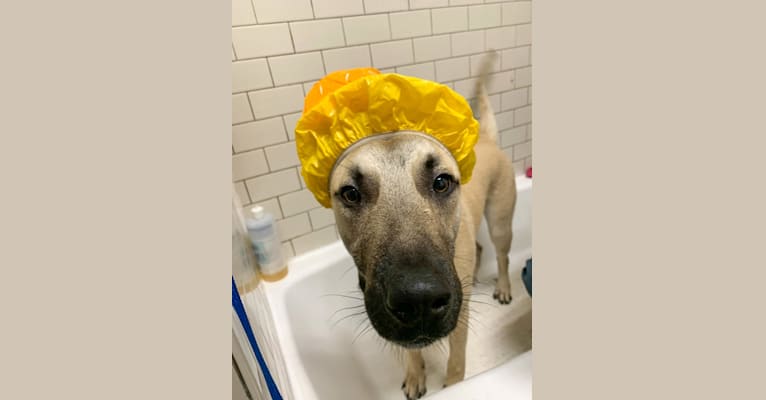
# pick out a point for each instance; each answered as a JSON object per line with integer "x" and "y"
{"x": 414, "y": 385}
{"x": 457, "y": 342}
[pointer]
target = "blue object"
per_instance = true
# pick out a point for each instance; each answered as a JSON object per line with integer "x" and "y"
{"x": 526, "y": 276}
{"x": 240, "y": 309}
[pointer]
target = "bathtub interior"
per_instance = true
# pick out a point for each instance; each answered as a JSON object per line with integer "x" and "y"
{"x": 343, "y": 357}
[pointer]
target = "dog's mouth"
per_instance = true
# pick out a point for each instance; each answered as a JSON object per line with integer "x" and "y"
{"x": 412, "y": 326}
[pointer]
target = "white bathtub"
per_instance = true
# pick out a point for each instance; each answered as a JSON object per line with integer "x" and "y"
{"x": 327, "y": 359}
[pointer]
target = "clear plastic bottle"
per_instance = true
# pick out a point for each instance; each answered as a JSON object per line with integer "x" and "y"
{"x": 266, "y": 243}
{"x": 243, "y": 265}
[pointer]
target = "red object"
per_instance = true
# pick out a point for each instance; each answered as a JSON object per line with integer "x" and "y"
{"x": 529, "y": 172}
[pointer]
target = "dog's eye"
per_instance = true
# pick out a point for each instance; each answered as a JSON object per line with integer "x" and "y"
{"x": 350, "y": 195}
{"x": 442, "y": 183}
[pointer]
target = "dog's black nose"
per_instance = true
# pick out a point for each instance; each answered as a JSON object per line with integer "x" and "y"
{"x": 418, "y": 300}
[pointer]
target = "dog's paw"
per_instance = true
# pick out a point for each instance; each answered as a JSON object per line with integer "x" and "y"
{"x": 414, "y": 385}
{"x": 502, "y": 293}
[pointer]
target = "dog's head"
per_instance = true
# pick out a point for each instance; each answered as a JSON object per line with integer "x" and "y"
{"x": 396, "y": 203}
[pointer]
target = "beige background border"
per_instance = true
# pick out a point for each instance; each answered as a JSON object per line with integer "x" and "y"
{"x": 648, "y": 198}
{"x": 648, "y": 229}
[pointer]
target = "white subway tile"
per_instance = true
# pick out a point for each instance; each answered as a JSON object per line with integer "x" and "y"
{"x": 465, "y": 43}
{"x": 522, "y": 150}
{"x": 523, "y": 34}
{"x": 524, "y": 77}
{"x": 321, "y": 217}
{"x": 247, "y": 165}
{"x": 504, "y": 120}
{"x": 366, "y": 29}
{"x": 241, "y": 191}
{"x": 501, "y": 38}
{"x": 242, "y": 12}
{"x": 277, "y": 101}
{"x": 282, "y": 156}
{"x": 518, "y": 166}
{"x": 466, "y": 87}
{"x": 315, "y": 240}
{"x": 528, "y": 162}
{"x": 337, "y": 8}
{"x": 451, "y": 19}
{"x": 291, "y": 120}
{"x": 346, "y": 58}
{"x": 518, "y": 12}
{"x": 250, "y": 75}
{"x": 478, "y": 59}
{"x": 452, "y": 69}
{"x": 516, "y": 57}
{"x": 240, "y": 109}
{"x": 463, "y": 2}
{"x": 500, "y": 82}
{"x": 297, "y": 202}
{"x": 233, "y": 56}
{"x": 513, "y": 136}
{"x": 387, "y": 70}
{"x": 410, "y": 24}
{"x": 432, "y": 48}
{"x": 282, "y": 10}
{"x": 287, "y": 250}
{"x": 317, "y": 35}
{"x": 414, "y": 4}
{"x": 529, "y": 131}
{"x": 271, "y": 206}
{"x": 261, "y": 40}
{"x": 523, "y": 115}
{"x": 296, "y": 68}
{"x": 300, "y": 177}
{"x": 484, "y": 16}
{"x": 376, "y": 6}
{"x": 514, "y": 99}
{"x": 391, "y": 54}
{"x": 294, "y": 226}
{"x": 423, "y": 71}
{"x": 494, "y": 100}
{"x": 274, "y": 184}
{"x": 529, "y": 97}
{"x": 253, "y": 135}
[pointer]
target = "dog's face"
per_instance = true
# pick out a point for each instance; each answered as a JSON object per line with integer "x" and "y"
{"x": 396, "y": 204}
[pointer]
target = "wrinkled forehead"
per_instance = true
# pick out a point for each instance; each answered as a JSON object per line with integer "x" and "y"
{"x": 393, "y": 153}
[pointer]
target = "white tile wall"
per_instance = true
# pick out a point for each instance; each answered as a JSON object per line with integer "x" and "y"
{"x": 424, "y": 70}
{"x": 484, "y": 16}
{"x": 467, "y": 43}
{"x": 376, "y": 6}
{"x": 257, "y": 134}
{"x": 261, "y": 40}
{"x": 391, "y": 54}
{"x": 250, "y": 75}
{"x": 317, "y": 35}
{"x": 297, "y": 68}
{"x": 367, "y": 29}
{"x": 453, "y": 68}
{"x": 347, "y": 57}
{"x": 337, "y": 8}
{"x": 432, "y": 48}
{"x": 428, "y": 3}
{"x": 282, "y": 156}
{"x": 410, "y": 24}
{"x": 282, "y": 10}
{"x": 277, "y": 101}
{"x": 517, "y": 12}
{"x": 281, "y": 47}
{"x": 297, "y": 202}
{"x": 451, "y": 19}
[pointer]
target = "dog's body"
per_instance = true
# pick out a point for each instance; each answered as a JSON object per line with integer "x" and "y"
{"x": 411, "y": 229}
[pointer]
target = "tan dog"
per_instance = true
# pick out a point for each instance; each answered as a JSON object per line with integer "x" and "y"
{"x": 411, "y": 230}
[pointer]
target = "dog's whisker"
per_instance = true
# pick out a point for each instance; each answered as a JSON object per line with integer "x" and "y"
{"x": 343, "y": 296}
{"x": 334, "y": 324}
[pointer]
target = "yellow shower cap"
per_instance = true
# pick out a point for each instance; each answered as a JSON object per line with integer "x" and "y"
{"x": 348, "y": 105}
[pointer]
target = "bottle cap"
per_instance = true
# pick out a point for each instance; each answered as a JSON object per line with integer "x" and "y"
{"x": 258, "y": 212}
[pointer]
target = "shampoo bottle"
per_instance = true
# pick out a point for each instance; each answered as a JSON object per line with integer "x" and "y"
{"x": 266, "y": 243}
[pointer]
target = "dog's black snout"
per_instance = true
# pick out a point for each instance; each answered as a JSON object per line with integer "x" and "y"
{"x": 419, "y": 300}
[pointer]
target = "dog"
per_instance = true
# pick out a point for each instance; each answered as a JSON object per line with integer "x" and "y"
{"x": 411, "y": 229}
